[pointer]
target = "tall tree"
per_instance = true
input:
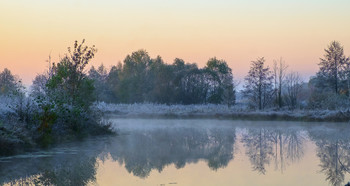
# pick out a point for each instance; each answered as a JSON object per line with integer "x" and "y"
{"x": 68, "y": 78}
{"x": 222, "y": 91}
{"x": 162, "y": 76}
{"x": 103, "y": 90}
{"x": 134, "y": 85}
{"x": 70, "y": 92}
{"x": 38, "y": 87}
{"x": 258, "y": 84}
{"x": 279, "y": 73}
{"x": 9, "y": 83}
{"x": 332, "y": 67}
{"x": 113, "y": 81}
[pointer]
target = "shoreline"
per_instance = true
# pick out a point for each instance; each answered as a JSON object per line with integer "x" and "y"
{"x": 16, "y": 142}
{"x": 210, "y": 111}
{"x": 249, "y": 116}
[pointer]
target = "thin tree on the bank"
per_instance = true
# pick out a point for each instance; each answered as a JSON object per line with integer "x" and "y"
{"x": 279, "y": 74}
{"x": 258, "y": 87}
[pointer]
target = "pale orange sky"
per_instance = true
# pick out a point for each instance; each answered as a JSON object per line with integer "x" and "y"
{"x": 237, "y": 31}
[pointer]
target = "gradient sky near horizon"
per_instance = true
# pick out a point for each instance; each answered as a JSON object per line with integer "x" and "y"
{"x": 237, "y": 31}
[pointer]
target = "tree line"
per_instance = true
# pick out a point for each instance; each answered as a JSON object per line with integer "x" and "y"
{"x": 328, "y": 89}
{"x": 59, "y": 104}
{"x": 140, "y": 78}
{"x": 143, "y": 79}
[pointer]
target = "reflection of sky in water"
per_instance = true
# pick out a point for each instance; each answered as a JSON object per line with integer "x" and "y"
{"x": 193, "y": 152}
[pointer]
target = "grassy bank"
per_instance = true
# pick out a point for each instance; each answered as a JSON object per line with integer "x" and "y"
{"x": 14, "y": 141}
{"x": 17, "y": 137}
{"x": 220, "y": 112}
{"x": 19, "y": 141}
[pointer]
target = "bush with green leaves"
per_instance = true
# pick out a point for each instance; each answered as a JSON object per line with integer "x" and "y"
{"x": 64, "y": 103}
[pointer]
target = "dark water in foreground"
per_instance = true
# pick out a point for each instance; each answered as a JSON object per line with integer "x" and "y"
{"x": 193, "y": 152}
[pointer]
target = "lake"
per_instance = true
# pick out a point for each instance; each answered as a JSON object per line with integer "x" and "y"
{"x": 171, "y": 152}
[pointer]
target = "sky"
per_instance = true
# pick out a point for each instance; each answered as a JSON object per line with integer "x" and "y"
{"x": 238, "y": 31}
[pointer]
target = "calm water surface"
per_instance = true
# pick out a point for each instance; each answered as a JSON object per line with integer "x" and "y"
{"x": 193, "y": 152}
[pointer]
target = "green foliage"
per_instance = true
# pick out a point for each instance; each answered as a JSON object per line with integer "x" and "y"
{"x": 64, "y": 103}
{"x": 143, "y": 79}
{"x": 46, "y": 119}
{"x": 68, "y": 86}
{"x": 225, "y": 90}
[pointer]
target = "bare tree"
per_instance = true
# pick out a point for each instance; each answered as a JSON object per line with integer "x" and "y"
{"x": 279, "y": 74}
{"x": 293, "y": 85}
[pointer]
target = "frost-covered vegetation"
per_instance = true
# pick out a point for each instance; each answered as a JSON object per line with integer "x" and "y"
{"x": 67, "y": 101}
{"x": 57, "y": 108}
{"x": 162, "y": 109}
{"x": 182, "y": 89}
{"x": 270, "y": 148}
{"x": 141, "y": 79}
{"x": 219, "y": 111}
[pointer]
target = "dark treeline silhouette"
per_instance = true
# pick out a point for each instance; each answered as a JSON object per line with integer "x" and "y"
{"x": 142, "y": 79}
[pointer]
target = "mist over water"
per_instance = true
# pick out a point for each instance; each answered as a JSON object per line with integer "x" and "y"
{"x": 193, "y": 152}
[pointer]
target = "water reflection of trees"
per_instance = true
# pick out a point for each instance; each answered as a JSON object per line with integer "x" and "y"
{"x": 333, "y": 149}
{"x": 282, "y": 146}
{"x": 73, "y": 164}
{"x": 140, "y": 152}
{"x": 143, "y": 151}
